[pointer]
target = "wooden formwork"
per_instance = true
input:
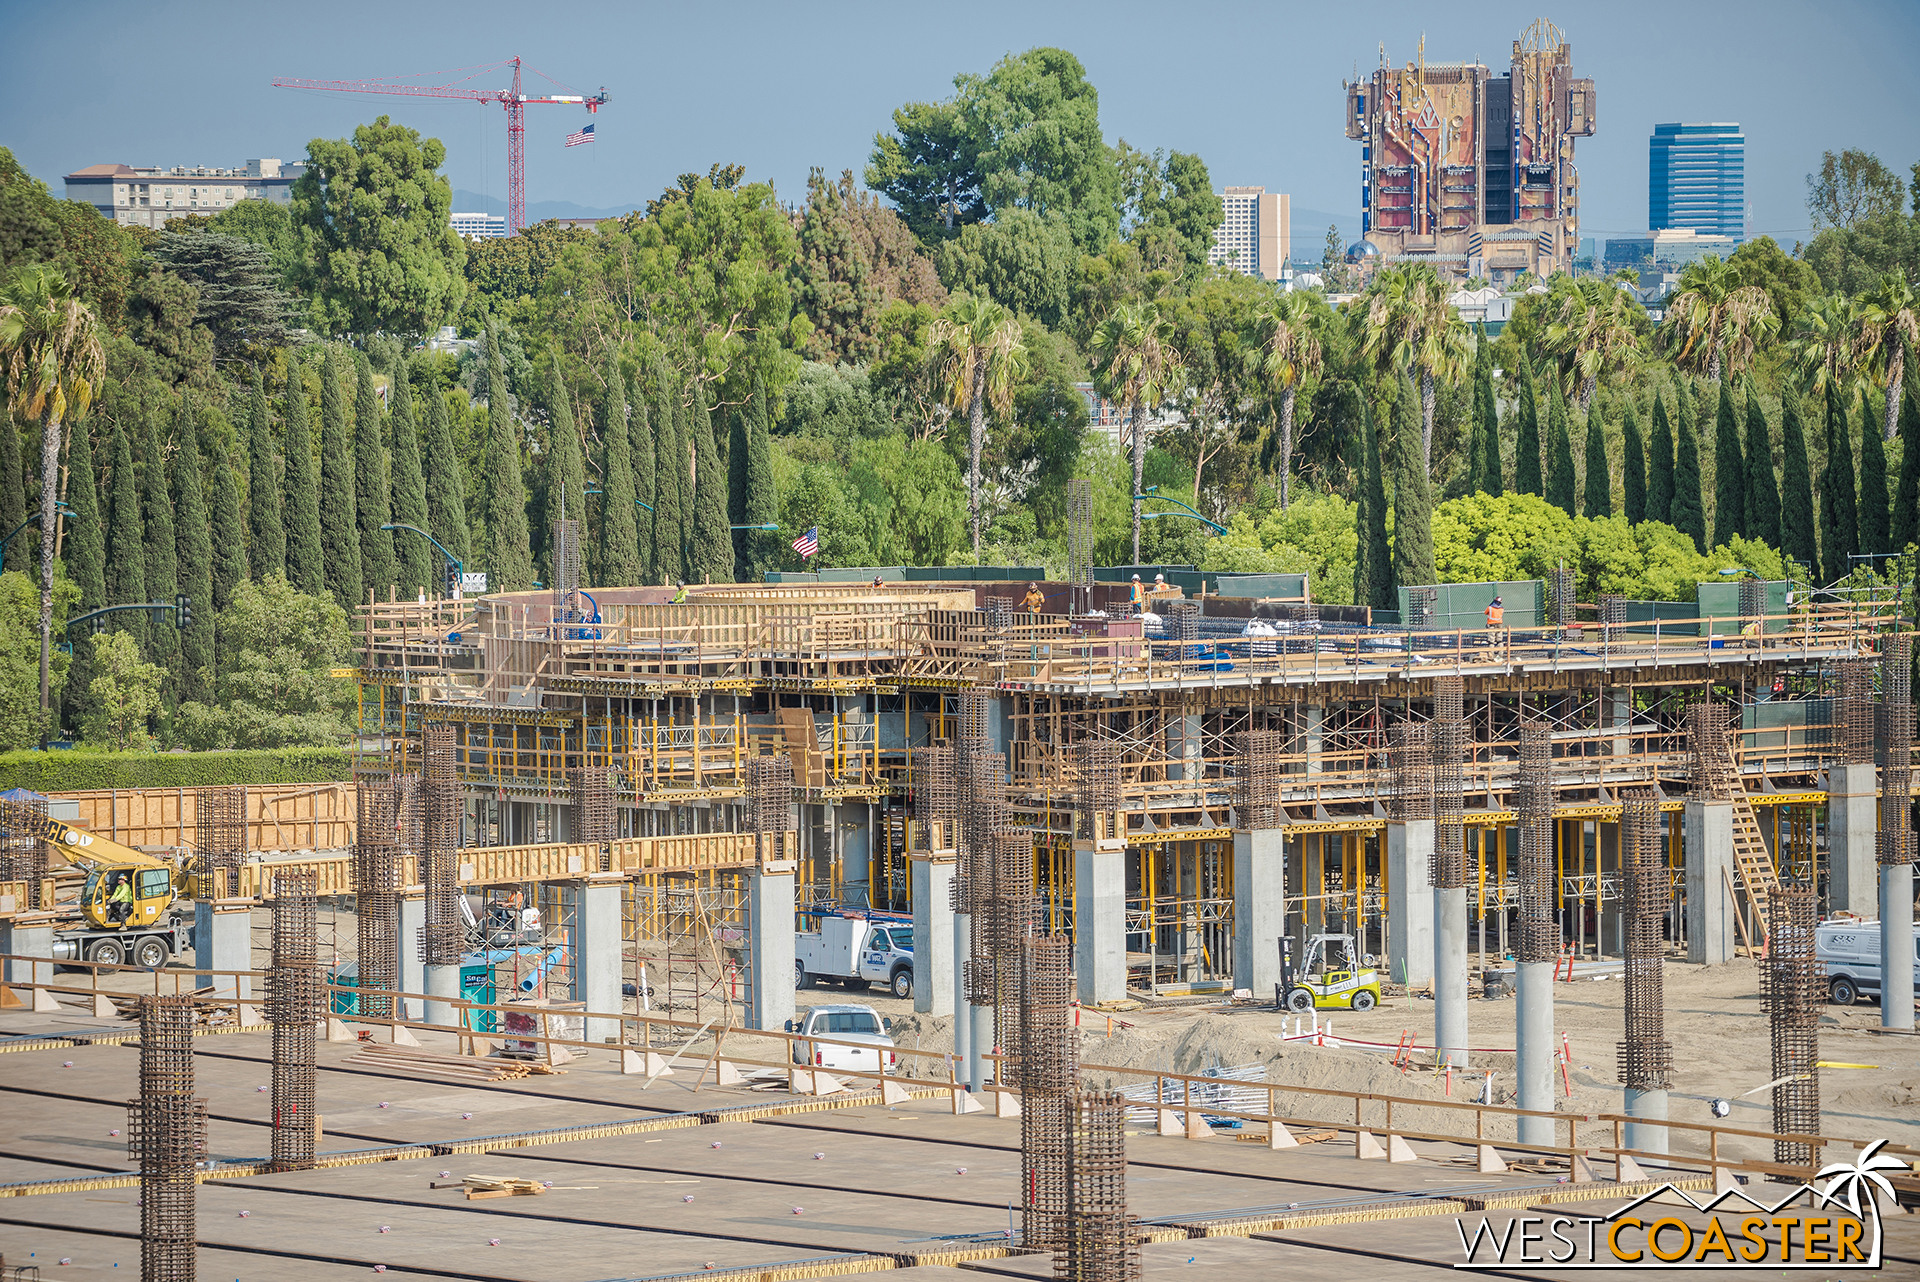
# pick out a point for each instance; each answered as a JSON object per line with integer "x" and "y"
{"x": 290, "y": 816}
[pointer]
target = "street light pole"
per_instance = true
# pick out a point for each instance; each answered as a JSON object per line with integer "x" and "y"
{"x": 454, "y": 563}
{"x": 1217, "y": 528}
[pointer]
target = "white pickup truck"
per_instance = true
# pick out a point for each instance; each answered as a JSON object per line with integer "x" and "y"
{"x": 860, "y": 1025}
{"x": 1850, "y": 950}
{"x": 857, "y": 952}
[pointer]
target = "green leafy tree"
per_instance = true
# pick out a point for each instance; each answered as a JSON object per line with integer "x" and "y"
{"x": 162, "y": 558}
{"x": 509, "y": 549}
{"x": 1022, "y": 260}
{"x": 856, "y": 257}
{"x": 85, "y": 554}
{"x": 446, "y": 486}
{"x": 1168, "y": 207}
{"x": 566, "y": 469}
{"x": 21, "y": 722}
{"x": 1289, "y": 353}
{"x": 1873, "y": 479}
{"x": 1797, "y": 518}
{"x": 982, "y": 355}
{"x": 339, "y": 510}
{"x": 372, "y": 495}
{"x": 671, "y": 471}
{"x": 643, "y": 437}
{"x": 1409, "y": 324}
{"x": 306, "y": 555}
{"x": 1729, "y": 473}
{"x": 1412, "y": 497}
{"x": 1689, "y": 510}
{"x": 229, "y": 527}
{"x": 1599, "y": 492}
{"x": 1763, "y": 493}
{"x": 1526, "y": 447}
{"x": 1137, "y": 365}
{"x": 1889, "y": 327}
{"x": 124, "y": 697}
{"x": 267, "y": 542}
{"x": 1035, "y": 124}
{"x": 277, "y": 688}
{"x": 1559, "y": 453}
{"x": 374, "y": 214}
{"x": 193, "y": 553}
{"x": 739, "y": 446}
{"x": 1660, "y": 464}
{"x": 240, "y": 299}
{"x": 1789, "y": 281}
{"x": 126, "y": 537}
{"x": 28, "y": 231}
{"x": 419, "y": 563}
{"x": 617, "y": 554}
{"x": 928, "y": 167}
{"x": 1633, "y": 465}
{"x": 924, "y": 530}
{"x": 1483, "y": 456}
{"x": 1595, "y": 333}
{"x": 1850, "y": 189}
{"x": 1906, "y": 502}
{"x": 1839, "y": 509}
{"x": 708, "y": 537}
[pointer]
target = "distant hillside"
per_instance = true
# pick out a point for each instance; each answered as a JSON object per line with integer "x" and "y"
{"x": 1309, "y": 231}
{"x": 470, "y": 202}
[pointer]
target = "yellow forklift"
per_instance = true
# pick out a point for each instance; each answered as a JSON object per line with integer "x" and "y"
{"x": 1330, "y": 977}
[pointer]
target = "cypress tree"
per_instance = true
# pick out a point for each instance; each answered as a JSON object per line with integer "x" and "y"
{"x": 372, "y": 497}
{"x": 670, "y": 474}
{"x": 163, "y": 572}
{"x": 1660, "y": 463}
{"x": 1559, "y": 453}
{"x": 1763, "y": 494}
{"x": 509, "y": 552}
{"x": 1485, "y": 419}
{"x": 1373, "y": 559}
{"x": 1873, "y": 477}
{"x": 193, "y": 555}
{"x": 738, "y": 450}
{"x": 617, "y": 559}
{"x": 763, "y": 499}
{"x": 1633, "y": 466}
{"x": 126, "y": 540}
{"x": 1839, "y": 513}
{"x": 306, "y": 565}
{"x": 85, "y": 555}
{"x": 339, "y": 544}
{"x": 1689, "y": 511}
{"x": 1526, "y": 446}
{"x": 1729, "y": 472}
{"x": 419, "y": 566}
{"x": 1906, "y": 503}
{"x": 566, "y": 470}
{"x": 1599, "y": 495}
{"x": 1412, "y": 496}
{"x": 712, "y": 544}
{"x": 229, "y": 530}
{"x": 1796, "y": 488}
{"x": 641, "y": 443}
{"x": 267, "y": 548}
{"x": 446, "y": 488}
{"x": 13, "y": 495}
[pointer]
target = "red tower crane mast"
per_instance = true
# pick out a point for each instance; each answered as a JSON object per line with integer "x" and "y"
{"x": 512, "y": 99}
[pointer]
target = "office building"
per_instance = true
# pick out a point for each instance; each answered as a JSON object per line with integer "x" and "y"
{"x": 135, "y": 197}
{"x": 1470, "y": 171}
{"x": 1697, "y": 179}
{"x": 1253, "y": 238}
{"x": 479, "y": 226}
{"x": 1664, "y": 254}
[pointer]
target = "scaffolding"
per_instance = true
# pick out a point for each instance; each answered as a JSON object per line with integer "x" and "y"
{"x": 293, "y": 1006}
{"x": 167, "y": 1136}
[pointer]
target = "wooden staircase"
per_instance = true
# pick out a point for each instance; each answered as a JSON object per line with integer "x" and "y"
{"x": 1752, "y": 859}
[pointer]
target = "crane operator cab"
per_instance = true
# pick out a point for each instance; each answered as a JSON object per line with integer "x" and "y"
{"x": 121, "y": 898}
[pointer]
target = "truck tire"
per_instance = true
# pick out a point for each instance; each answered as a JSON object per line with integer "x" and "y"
{"x": 1363, "y": 1000}
{"x": 801, "y": 979}
{"x": 1300, "y": 1000}
{"x": 857, "y": 985}
{"x": 903, "y": 983}
{"x": 1843, "y": 991}
{"x": 152, "y": 953}
{"x": 108, "y": 952}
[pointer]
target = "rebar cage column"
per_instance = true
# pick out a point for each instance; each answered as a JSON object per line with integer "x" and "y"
{"x": 293, "y": 1006}
{"x": 1538, "y": 945}
{"x": 376, "y": 888}
{"x": 1792, "y": 989}
{"x": 1100, "y": 1242}
{"x": 1645, "y": 1058}
{"x": 167, "y": 1135}
{"x": 443, "y": 936}
{"x": 1048, "y": 1072}
{"x": 220, "y": 831}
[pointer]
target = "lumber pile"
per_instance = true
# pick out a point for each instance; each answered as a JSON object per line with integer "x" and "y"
{"x": 414, "y": 1062}
{"x": 480, "y": 1187}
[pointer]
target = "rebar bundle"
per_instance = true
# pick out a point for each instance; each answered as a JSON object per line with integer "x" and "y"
{"x": 1539, "y": 929}
{"x": 1183, "y": 621}
{"x": 1100, "y": 1242}
{"x": 1080, "y": 542}
{"x": 976, "y": 710}
{"x": 1448, "y": 736}
{"x": 1710, "y": 769}
{"x": 566, "y": 571}
{"x": 293, "y": 1004}
{"x": 1559, "y": 597}
{"x": 1646, "y": 1059}
{"x": 410, "y": 812}
{"x": 592, "y": 805}
{"x": 1048, "y": 1071}
{"x": 220, "y": 824}
{"x": 376, "y": 898}
{"x": 1100, "y": 793}
{"x": 23, "y": 853}
{"x": 1753, "y": 599}
{"x": 769, "y": 802}
{"x": 999, "y": 611}
{"x": 936, "y": 799}
{"x": 1257, "y": 784}
{"x": 1411, "y": 758}
{"x": 443, "y": 937}
{"x": 1856, "y": 712}
{"x": 1423, "y": 607}
{"x": 1004, "y": 910}
{"x": 167, "y": 1135}
{"x": 1792, "y": 990}
{"x": 1613, "y": 608}
{"x": 1896, "y": 838}
{"x": 982, "y": 791}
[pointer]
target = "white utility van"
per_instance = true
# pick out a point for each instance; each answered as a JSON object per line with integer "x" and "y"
{"x": 861, "y": 1025}
{"x": 1850, "y": 950}
{"x": 856, "y": 951}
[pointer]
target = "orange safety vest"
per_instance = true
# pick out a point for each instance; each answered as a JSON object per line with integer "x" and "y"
{"x": 1496, "y": 616}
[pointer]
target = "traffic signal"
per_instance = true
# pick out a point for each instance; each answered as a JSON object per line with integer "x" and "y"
{"x": 183, "y": 612}
{"x": 453, "y": 580}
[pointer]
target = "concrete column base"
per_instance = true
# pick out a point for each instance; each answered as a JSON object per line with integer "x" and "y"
{"x": 979, "y": 1046}
{"x": 599, "y": 955}
{"x": 1100, "y": 920}
{"x": 1708, "y": 836}
{"x": 223, "y": 940}
{"x": 443, "y": 990}
{"x": 1450, "y": 976}
{"x": 1534, "y": 1060}
{"x": 1852, "y": 820}
{"x": 770, "y": 935}
{"x": 1896, "y": 946}
{"x": 1410, "y": 902}
{"x": 933, "y": 919}
{"x": 1651, "y": 1105}
{"x": 27, "y": 941}
{"x": 962, "y": 1026}
{"x": 413, "y": 970}
{"x": 1259, "y": 908}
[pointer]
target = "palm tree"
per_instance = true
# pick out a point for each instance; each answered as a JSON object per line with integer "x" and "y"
{"x": 1135, "y": 363}
{"x": 981, "y": 354}
{"x": 1409, "y": 323}
{"x": 1888, "y": 326}
{"x": 1594, "y": 334}
{"x": 50, "y": 342}
{"x": 1714, "y": 321}
{"x": 1288, "y": 354}
{"x": 1825, "y": 343}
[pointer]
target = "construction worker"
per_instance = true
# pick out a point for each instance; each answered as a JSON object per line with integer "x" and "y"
{"x": 1496, "y": 620}
{"x": 1138, "y": 600}
{"x": 876, "y": 580}
{"x": 120, "y": 898}
{"x": 1034, "y": 600}
{"x": 680, "y": 593}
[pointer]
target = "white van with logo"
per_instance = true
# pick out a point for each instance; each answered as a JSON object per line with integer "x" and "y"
{"x": 1850, "y": 950}
{"x": 856, "y": 952}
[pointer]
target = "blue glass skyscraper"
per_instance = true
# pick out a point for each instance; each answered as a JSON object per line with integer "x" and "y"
{"x": 1697, "y": 178}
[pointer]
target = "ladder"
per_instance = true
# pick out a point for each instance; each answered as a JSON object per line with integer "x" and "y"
{"x": 1752, "y": 859}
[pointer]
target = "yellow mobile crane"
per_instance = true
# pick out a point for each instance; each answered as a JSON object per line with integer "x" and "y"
{"x": 128, "y": 900}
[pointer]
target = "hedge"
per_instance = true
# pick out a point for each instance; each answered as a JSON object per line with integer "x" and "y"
{"x": 84, "y": 771}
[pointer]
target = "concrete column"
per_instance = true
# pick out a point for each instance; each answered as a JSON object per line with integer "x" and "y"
{"x": 1653, "y": 1106}
{"x": 1613, "y": 918}
{"x": 599, "y": 953}
{"x": 854, "y": 830}
{"x": 1183, "y": 748}
{"x": 933, "y": 919}
{"x": 29, "y": 941}
{"x": 1533, "y": 1043}
{"x": 413, "y": 972}
{"x": 1409, "y": 902}
{"x": 979, "y": 1046}
{"x": 222, "y": 940}
{"x": 1259, "y": 908}
{"x": 1312, "y": 718}
{"x": 1100, "y": 920}
{"x": 770, "y": 922}
{"x": 1620, "y": 710}
{"x": 1450, "y": 974}
{"x": 1708, "y": 843}
{"x": 1852, "y": 820}
{"x": 443, "y": 990}
{"x": 1313, "y": 881}
{"x": 1896, "y": 946}
{"x": 962, "y": 1022}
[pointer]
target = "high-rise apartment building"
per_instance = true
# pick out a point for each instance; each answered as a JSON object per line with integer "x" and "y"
{"x": 1697, "y": 179}
{"x": 152, "y": 197}
{"x": 478, "y": 226}
{"x": 1470, "y": 171}
{"x": 1254, "y": 237}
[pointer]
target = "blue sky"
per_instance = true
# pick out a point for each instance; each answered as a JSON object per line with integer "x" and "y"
{"x": 1253, "y": 88}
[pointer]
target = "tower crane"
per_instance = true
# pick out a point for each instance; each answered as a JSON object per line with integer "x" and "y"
{"x": 511, "y": 98}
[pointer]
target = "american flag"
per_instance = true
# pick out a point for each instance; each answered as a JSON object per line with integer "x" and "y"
{"x": 808, "y": 544}
{"x": 585, "y": 135}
